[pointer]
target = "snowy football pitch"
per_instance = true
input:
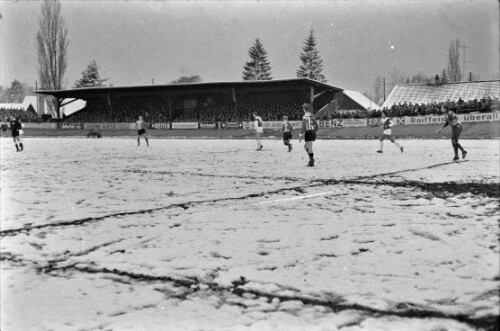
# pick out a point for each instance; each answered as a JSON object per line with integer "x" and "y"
{"x": 99, "y": 234}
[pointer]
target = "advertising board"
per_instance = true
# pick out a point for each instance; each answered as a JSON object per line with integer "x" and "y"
{"x": 185, "y": 125}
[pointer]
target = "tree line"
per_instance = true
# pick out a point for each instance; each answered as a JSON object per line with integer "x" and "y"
{"x": 52, "y": 47}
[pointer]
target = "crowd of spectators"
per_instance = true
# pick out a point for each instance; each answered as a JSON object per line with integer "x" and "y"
{"x": 28, "y": 115}
{"x": 272, "y": 111}
{"x": 241, "y": 112}
{"x": 207, "y": 114}
{"x": 118, "y": 115}
{"x": 126, "y": 112}
{"x": 157, "y": 112}
{"x": 408, "y": 109}
{"x": 129, "y": 111}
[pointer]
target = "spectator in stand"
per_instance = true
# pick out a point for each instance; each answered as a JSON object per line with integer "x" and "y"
{"x": 495, "y": 104}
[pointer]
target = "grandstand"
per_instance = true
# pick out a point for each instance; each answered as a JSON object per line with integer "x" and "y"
{"x": 428, "y": 94}
{"x": 197, "y": 102}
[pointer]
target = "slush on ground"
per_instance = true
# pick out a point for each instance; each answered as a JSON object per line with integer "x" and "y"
{"x": 99, "y": 234}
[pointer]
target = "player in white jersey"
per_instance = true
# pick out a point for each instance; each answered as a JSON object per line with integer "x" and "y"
{"x": 141, "y": 125}
{"x": 309, "y": 128}
{"x": 259, "y": 129}
{"x": 456, "y": 128}
{"x": 387, "y": 123}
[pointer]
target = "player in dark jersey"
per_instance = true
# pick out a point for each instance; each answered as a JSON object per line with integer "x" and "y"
{"x": 15, "y": 127}
{"x": 309, "y": 128}
{"x": 287, "y": 133}
{"x": 456, "y": 129}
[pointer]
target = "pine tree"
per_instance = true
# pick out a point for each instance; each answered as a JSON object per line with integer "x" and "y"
{"x": 91, "y": 77}
{"x": 258, "y": 68}
{"x": 16, "y": 92}
{"x": 444, "y": 77}
{"x": 312, "y": 64}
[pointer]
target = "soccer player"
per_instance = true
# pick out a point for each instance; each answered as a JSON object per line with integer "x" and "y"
{"x": 3, "y": 126}
{"x": 15, "y": 127}
{"x": 456, "y": 129}
{"x": 387, "y": 123}
{"x": 21, "y": 134}
{"x": 259, "y": 129}
{"x": 287, "y": 132}
{"x": 141, "y": 125}
{"x": 309, "y": 128}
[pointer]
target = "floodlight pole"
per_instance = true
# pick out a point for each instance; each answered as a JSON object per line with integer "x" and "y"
{"x": 384, "y": 89}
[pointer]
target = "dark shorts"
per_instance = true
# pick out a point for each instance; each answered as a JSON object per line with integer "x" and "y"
{"x": 456, "y": 131}
{"x": 387, "y": 136}
{"x": 310, "y": 136}
{"x": 141, "y": 131}
{"x": 287, "y": 135}
{"x": 15, "y": 133}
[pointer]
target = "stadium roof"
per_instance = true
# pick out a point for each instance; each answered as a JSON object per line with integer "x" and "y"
{"x": 424, "y": 94}
{"x": 361, "y": 100}
{"x": 82, "y": 93}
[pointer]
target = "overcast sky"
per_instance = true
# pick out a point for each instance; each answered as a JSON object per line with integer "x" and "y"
{"x": 134, "y": 42}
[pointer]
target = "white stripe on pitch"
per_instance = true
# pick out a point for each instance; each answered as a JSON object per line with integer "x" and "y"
{"x": 297, "y": 198}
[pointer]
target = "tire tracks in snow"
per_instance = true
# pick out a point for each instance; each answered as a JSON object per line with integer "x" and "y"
{"x": 440, "y": 190}
{"x": 193, "y": 285}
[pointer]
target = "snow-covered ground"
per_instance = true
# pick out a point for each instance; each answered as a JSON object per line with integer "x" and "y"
{"x": 99, "y": 234}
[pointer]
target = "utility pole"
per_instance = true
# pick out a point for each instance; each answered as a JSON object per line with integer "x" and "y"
{"x": 463, "y": 66}
{"x": 37, "y": 97}
{"x": 384, "y": 89}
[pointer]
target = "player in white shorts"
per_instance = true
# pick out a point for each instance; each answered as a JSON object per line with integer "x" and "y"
{"x": 259, "y": 129}
{"x": 387, "y": 123}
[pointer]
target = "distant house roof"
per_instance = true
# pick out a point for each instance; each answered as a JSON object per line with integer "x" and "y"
{"x": 361, "y": 100}
{"x": 11, "y": 105}
{"x": 28, "y": 100}
{"x": 424, "y": 94}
